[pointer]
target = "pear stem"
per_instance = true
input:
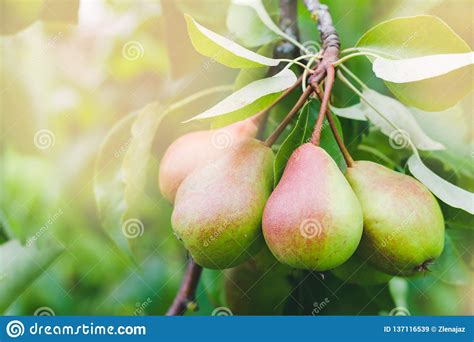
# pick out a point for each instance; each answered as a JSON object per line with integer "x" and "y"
{"x": 187, "y": 291}
{"x": 330, "y": 75}
{"x": 345, "y": 152}
{"x": 277, "y": 132}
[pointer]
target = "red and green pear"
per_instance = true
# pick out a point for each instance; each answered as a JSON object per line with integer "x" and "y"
{"x": 313, "y": 219}
{"x": 218, "y": 208}
{"x": 196, "y": 149}
{"x": 358, "y": 271}
{"x": 403, "y": 223}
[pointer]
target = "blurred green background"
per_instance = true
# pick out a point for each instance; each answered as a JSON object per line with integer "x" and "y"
{"x": 71, "y": 75}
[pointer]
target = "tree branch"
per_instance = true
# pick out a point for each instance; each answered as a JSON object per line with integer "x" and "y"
{"x": 288, "y": 24}
{"x": 187, "y": 291}
{"x": 329, "y": 39}
{"x": 285, "y": 50}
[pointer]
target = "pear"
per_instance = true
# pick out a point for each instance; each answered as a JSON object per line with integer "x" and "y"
{"x": 218, "y": 208}
{"x": 196, "y": 149}
{"x": 259, "y": 286}
{"x": 359, "y": 272}
{"x": 403, "y": 223}
{"x": 312, "y": 220}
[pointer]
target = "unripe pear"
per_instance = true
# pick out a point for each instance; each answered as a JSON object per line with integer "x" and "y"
{"x": 358, "y": 271}
{"x": 218, "y": 208}
{"x": 196, "y": 149}
{"x": 312, "y": 220}
{"x": 403, "y": 223}
{"x": 259, "y": 286}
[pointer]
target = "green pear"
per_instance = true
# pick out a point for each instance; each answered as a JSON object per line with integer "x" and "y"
{"x": 218, "y": 208}
{"x": 312, "y": 220}
{"x": 403, "y": 223}
{"x": 259, "y": 286}
{"x": 196, "y": 149}
{"x": 359, "y": 272}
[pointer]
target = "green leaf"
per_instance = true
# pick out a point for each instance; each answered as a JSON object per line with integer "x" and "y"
{"x": 399, "y": 291}
{"x": 139, "y": 150}
{"x": 135, "y": 175}
{"x": 223, "y": 50}
{"x": 108, "y": 185}
{"x": 355, "y": 112}
{"x": 331, "y": 296}
{"x": 244, "y": 23}
{"x": 327, "y": 142}
{"x": 457, "y": 219}
{"x": 418, "y": 36}
{"x": 262, "y": 13}
{"x": 213, "y": 283}
{"x": 247, "y": 76}
{"x": 445, "y": 191}
{"x": 420, "y": 68}
{"x": 450, "y": 267}
{"x": 292, "y": 141}
{"x": 5, "y": 230}
{"x": 399, "y": 115}
{"x": 20, "y": 266}
{"x": 248, "y": 100}
{"x": 452, "y": 128}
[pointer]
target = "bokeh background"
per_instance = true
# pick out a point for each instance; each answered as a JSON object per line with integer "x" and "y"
{"x": 71, "y": 82}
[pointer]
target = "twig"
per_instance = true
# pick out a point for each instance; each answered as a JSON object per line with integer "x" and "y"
{"x": 316, "y": 137}
{"x": 345, "y": 152}
{"x": 301, "y": 101}
{"x": 187, "y": 291}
